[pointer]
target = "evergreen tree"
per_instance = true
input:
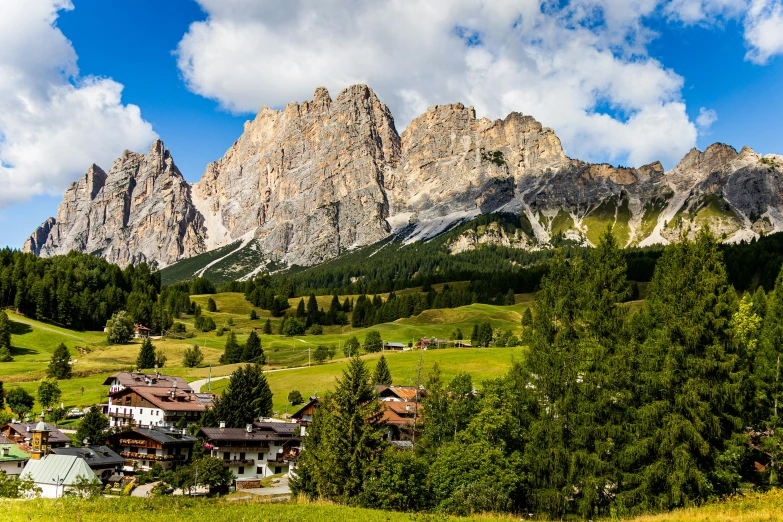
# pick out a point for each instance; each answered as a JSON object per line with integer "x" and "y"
{"x": 300, "y": 309}
{"x": 2, "y": 397}
{"x": 474, "y": 336}
{"x": 510, "y": 298}
{"x": 60, "y": 363}
{"x": 253, "y": 315}
{"x": 253, "y": 351}
{"x": 5, "y": 337}
{"x": 246, "y": 399}
{"x": 232, "y": 353}
{"x": 211, "y": 305}
{"x": 312, "y": 304}
{"x": 344, "y": 440}
{"x": 160, "y": 358}
{"x": 373, "y": 342}
{"x": 527, "y": 317}
{"x": 760, "y": 302}
{"x": 382, "y": 375}
{"x": 691, "y": 387}
{"x": 268, "y": 327}
{"x": 146, "y": 358}
{"x": 193, "y": 357}
{"x": 92, "y": 426}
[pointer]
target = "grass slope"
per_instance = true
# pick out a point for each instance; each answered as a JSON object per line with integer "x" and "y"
{"x": 765, "y": 507}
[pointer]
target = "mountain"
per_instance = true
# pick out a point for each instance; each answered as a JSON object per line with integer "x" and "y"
{"x": 318, "y": 179}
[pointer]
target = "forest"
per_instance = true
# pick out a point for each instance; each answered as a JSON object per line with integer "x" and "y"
{"x": 612, "y": 413}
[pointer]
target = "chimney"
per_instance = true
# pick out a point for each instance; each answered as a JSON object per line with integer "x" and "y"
{"x": 27, "y": 429}
{"x": 173, "y": 393}
{"x": 249, "y": 428}
{"x": 222, "y": 424}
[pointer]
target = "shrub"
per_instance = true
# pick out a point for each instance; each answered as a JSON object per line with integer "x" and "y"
{"x": 316, "y": 329}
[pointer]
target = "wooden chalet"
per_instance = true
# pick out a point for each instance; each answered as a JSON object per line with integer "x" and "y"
{"x": 21, "y": 434}
{"x": 143, "y": 447}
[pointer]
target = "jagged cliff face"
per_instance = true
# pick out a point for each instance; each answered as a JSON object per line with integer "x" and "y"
{"x": 140, "y": 211}
{"x": 306, "y": 183}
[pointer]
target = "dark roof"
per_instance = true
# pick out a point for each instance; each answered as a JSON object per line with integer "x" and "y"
{"x": 301, "y": 411}
{"x": 55, "y": 435}
{"x": 156, "y": 380}
{"x": 95, "y": 456}
{"x": 242, "y": 435}
{"x": 162, "y": 435}
{"x": 282, "y": 428}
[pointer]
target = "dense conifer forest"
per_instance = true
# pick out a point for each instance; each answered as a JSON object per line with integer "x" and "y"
{"x": 612, "y": 412}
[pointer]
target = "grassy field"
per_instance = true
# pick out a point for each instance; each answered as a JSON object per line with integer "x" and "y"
{"x": 34, "y": 341}
{"x": 481, "y": 363}
{"x": 765, "y": 507}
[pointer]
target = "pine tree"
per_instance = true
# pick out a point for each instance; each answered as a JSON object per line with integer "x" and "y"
{"x": 344, "y": 440}
{"x": 300, "y": 309}
{"x": 253, "y": 315}
{"x": 193, "y": 357}
{"x": 2, "y": 397}
{"x": 527, "y": 317}
{"x": 5, "y": 337}
{"x": 60, "y": 364}
{"x": 510, "y": 298}
{"x": 246, "y": 399}
{"x": 312, "y": 304}
{"x": 382, "y": 375}
{"x": 268, "y": 327}
{"x": 211, "y": 305}
{"x": 474, "y": 336}
{"x": 146, "y": 358}
{"x": 232, "y": 353}
{"x": 691, "y": 385}
{"x": 253, "y": 351}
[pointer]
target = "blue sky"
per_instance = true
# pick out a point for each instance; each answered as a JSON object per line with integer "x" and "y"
{"x": 623, "y": 81}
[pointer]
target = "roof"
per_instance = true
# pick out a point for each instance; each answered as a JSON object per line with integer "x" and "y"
{"x": 5, "y": 440}
{"x": 161, "y": 435}
{"x": 55, "y": 435}
{"x": 400, "y": 392}
{"x": 41, "y": 426}
{"x": 140, "y": 327}
{"x": 398, "y": 412}
{"x": 305, "y": 407}
{"x": 242, "y": 435}
{"x": 61, "y": 468}
{"x": 156, "y": 380}
{"x": 95, "y": 456}
{"x": 282, "y": 428}
{"x": 14, "y": 453}
{"x": 399, "y": 345}
{"x": 182, "y": 400}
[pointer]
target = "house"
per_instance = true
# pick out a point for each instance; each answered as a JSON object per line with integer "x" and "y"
{"x": 402, "y": 409}
{"x": 141, "y": 448}
{"x": 55, "y": 474}
{"x": 102, "y": 460}
{"x": 21, "y": 434}
{"x": 160, "y": 401}
{"x": 12, "y": 458}
{"x": 304, "y": 415}
{"x": 462, "y": 344}
{"x": 439, "y": 343}
{"x": 140, "y": 332}
{"x": 395, "y": 347}
{"x": 256, "y": 451}
{"x": 422, "y": 344}
{"x": 398, "y": 393}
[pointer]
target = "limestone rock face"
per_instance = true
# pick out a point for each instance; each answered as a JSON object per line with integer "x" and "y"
{"x": 306, "y": 183}
{"x": 139, "y": 211}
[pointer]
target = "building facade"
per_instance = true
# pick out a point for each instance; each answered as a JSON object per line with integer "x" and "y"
{"x": 141, "y": 448}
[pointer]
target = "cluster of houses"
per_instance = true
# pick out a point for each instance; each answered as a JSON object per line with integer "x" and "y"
{"x": 426, "y": 343}
{"x": 149, "y": 416}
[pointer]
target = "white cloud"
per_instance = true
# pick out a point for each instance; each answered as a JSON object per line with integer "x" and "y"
{"x": 764, "y": 30}
{"x": 53, "y": 123}
{"x": 705, "y": 119}
{"x": 558, "y": 64}
{"x": 704, "y": 11}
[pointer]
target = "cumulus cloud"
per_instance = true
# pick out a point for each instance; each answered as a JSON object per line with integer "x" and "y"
{"x": 53, "y": 123}
{"x": 579, "y": 68}
{"x": 705, "y": 119}
{"x": 764, "y": 30}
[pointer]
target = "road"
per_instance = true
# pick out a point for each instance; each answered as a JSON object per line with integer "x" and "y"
{"x": 196, "y": 385}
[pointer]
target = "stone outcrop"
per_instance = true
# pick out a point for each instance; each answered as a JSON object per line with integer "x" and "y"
{"x": 315, "y": 179}
{"x": 140, "y": 211}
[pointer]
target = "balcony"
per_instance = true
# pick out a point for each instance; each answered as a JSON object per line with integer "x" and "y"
{"x": 148, "y": 456}
{"x": 239, "y": 462}
{"x": 118, "y": 415}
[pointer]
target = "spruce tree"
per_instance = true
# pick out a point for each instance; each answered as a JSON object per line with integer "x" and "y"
{"x": 253, "y": 315}
{"x": 246, "y": 399}
{"x": 268, "y": 327}
{"x": 146, "y": 358}
{"x": 300, "y": 309}
{"x": 232, "y": 353}
{"x": 312, "y": 304}
{"x": 474, "y": 336}
{"x": 527, "y": 317}
{"x": 253, "y": 351}
{"x": 344, "y": 440}
{"x": 193, "y": 357}
{"x": 382, "y": 375}
{"x": 2, "y": 397}
{"x": 211, "y": 305}
{"x": 60, "y": 364}
{"x": 691, "y": 384}
{"x": 5, "y": 337}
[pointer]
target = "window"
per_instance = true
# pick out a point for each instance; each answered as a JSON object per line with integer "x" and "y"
{"x": 242, "y": 456}
{"x": 226, "y": 455}
{"x": 259, "y": 470}
{"x": 278, "y": 469}
{"x": 241, "y": 470}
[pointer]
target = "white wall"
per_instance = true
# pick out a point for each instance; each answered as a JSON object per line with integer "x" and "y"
{"x": 12, "y": 468}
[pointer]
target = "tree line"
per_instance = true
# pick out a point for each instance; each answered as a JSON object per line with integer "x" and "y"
{"x": 611, "y": 412}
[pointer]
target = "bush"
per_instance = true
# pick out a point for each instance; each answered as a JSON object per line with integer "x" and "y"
{"x": 373, "y": 342}
{"x": 207, "y": 324}
{"x": 321, "y": 353}
{"x": 294, "y": 397}
{"x": 316, "y": 329}
{"x": 178, "y": 328}
{"x": 119, "y": 328}
{"x": 220, "y": 331}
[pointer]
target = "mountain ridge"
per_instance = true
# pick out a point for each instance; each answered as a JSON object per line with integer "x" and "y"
{"x": 306, "y": 183}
